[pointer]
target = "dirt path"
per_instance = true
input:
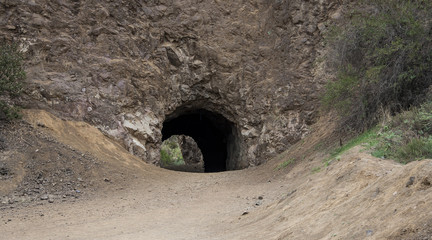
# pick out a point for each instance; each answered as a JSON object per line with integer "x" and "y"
{"x": 191, "y": 206}
{"x": 358, "y": 197}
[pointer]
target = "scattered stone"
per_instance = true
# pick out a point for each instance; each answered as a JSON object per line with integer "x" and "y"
{"x": 291, "y": 193}
{"x": 44, "y": 197}
{"x": 10, "y": 27}
{"x": 245, "y": 213}
{"x": 376, "y": 193}
{"x": 410, "y": 181}
{"x": 369, "y": 233}
{"x": 39, "y": 124}
{"x": 4, "y": 171}
{"x": 260, "y": 198}
{"x": 321, "y": 27}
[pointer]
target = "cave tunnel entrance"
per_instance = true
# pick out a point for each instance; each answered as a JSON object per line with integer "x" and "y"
{"x": 215, "y": 135}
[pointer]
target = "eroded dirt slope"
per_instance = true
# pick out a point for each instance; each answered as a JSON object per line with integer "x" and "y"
{"x": 357, "y": 197}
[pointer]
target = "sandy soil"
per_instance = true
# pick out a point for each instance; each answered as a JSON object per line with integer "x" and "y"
{"x": 120, "y": 197}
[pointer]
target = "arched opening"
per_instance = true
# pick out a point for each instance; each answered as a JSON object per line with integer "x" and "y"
{"x": 181, "y": 153}
{"x": 215, "y": 135}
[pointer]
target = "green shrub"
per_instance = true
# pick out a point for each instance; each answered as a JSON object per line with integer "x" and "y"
{"x": 407, "y": 137}
{"x": 11, "y": 76}
{"x": 10, "y": 112}
{"x": 417, "y": 121}
{"x": 171, "y": 152}
{"x": 417, "y": 149}
{"x": 383, "y": 57}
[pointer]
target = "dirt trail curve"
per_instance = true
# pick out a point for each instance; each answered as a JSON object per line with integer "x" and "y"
{"x": 357, "y": 197}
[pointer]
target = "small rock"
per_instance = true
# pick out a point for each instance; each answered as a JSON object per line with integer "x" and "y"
{"x": 291, "y": 193}
{"x": 44, "y": 197}
{"x": 410, "y": 181}
{"x": 51, "y": 200}
{"x": 369, "y": 233}
{"x": 4, "y": 171}
{"x": 298, "y": 18}
{"x": 260, "y": 198}
{"x": 321, "y": 27}
{"x": 337, "y": 15}
{"x": 311, "y": 28}
{"x": 245, "y": 213}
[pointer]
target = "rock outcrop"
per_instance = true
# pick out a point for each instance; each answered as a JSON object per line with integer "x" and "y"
{"x": 191, "y": 152}
{"x": 125, "y": 66}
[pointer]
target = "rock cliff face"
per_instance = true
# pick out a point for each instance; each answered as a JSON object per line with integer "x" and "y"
{"x": 127, "y": 66}
{"x": 190, "y": 151}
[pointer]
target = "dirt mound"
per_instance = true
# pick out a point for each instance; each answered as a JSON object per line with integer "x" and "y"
{"x": 357, "y": 197}
{"x": 35, "y": 166}
{"x": 46, "y": 159}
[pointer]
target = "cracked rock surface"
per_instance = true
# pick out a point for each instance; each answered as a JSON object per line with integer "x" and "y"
{"x": 124, "y": 66}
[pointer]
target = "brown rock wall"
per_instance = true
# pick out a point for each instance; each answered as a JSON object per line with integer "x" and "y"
{"x": 126, "y": 65}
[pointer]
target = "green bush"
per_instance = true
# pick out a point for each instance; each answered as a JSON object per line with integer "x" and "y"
{"x": 416, "y": 149}
{"x": 417, "y": 121}
{"x": 10, "y": 112}
{"x": 171, "y": 152}
{"x": 383, "y": 57}
{"x": 11, "y": 76}
{"x": 407, "y": 137}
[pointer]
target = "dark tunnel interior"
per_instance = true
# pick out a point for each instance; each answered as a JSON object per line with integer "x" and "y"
{"x": 211, "y": 131}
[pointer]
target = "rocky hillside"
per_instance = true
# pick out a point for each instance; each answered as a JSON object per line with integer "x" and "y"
{"x": 126, "y": 66}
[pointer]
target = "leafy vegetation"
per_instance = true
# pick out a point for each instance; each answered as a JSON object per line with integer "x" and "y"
{"x": 11, "y": 76}
{"x": 316, "y": 169}
{"x": 171, "y": 152}
{"x": 383, "y": 57}
{"x": 366, "y": 136}
{"x": 407, "y": 137}
{"x": 285, "y": 164}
